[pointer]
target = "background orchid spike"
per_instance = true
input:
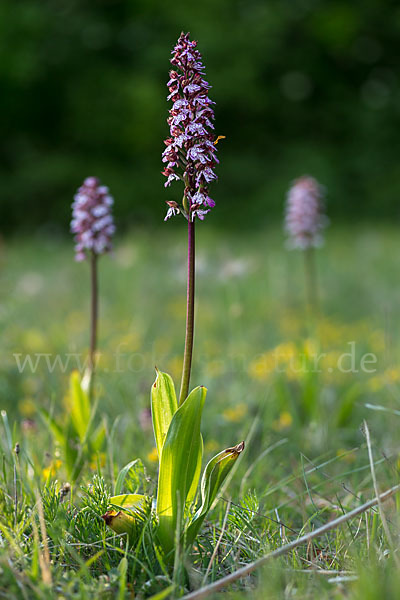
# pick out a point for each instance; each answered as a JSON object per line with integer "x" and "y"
{"x": 190, "y": 151}
{"x": 305, "y": 218}
{"x": 92, "y": 221}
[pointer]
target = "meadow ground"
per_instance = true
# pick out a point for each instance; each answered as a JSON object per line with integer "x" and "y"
{"x": 296, "y": 386}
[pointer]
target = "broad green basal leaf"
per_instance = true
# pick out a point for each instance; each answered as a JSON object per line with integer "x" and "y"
{"x": 180, "y": 466}
{"x": 163, "y": 407}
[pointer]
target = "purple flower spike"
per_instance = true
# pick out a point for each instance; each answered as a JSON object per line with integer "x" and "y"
{"x": 305, "y": 219}
{"x": 190, "y": 149}
{"x": 92, "y": 221}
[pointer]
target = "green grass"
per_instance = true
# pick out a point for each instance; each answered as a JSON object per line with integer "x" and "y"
{"x": 306, "y": 459}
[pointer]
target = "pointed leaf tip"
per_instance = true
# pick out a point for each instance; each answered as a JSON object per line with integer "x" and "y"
{"x": 238, "y": 449}
{"x": 214, "y": 475}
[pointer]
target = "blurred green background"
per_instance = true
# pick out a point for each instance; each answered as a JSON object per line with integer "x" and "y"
{"x": 302, "y": 86}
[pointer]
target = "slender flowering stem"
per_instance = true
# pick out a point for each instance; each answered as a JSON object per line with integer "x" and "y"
{"x": 311, "y": 279}
{"x": 187, "y": 357}
{"x": 190, "y": 157}
{"x": 93, "y": 226}
{"x": 93, "y": 312}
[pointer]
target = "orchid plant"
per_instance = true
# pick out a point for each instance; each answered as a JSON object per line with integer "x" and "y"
{"x": 80, "y": 438}
{"x": 184, "y": 497}
{"x": 93, "y": 226}
{"x": 304, "y": 223}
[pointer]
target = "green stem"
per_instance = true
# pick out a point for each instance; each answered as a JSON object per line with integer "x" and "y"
{"x": 93, "y": 312}
{"x": 187, "y": 357}
{"x": 311, "y": 280}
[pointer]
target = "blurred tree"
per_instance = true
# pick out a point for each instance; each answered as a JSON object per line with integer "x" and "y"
{"x": 302, "y": 86}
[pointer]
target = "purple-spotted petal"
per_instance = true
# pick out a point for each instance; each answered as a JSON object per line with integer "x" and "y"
{"x": 190, "y": 149}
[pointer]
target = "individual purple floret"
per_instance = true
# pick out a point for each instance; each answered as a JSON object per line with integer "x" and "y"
{"x": 304, "y": 219}
{"x": 92, "y": 221}
{"x": 190, "y": 151}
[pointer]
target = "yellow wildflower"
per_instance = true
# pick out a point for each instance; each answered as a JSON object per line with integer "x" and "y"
{"x": 262, "y": 366}
{"x": 284, "y": 352}
{"x": 153, "y": 455}
{"x": 52, "y": 469}
{"x": 98, "y": 460}
{"x": 392, "y": 375}
{"x": 235, "y": 414}
{"x": 27, "y": 407}
{"x": 34, "y": 340}
{"x": 285, "y": 420}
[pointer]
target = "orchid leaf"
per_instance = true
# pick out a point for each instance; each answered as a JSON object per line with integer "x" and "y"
{"x": 131, "y": 501}
{"x": 213, "y": 477}
{"x": 163, "y": 407}
{"x": 191, "y": 495}
{"x": 79, "y": 405}
{"x": 179, "y": 467}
